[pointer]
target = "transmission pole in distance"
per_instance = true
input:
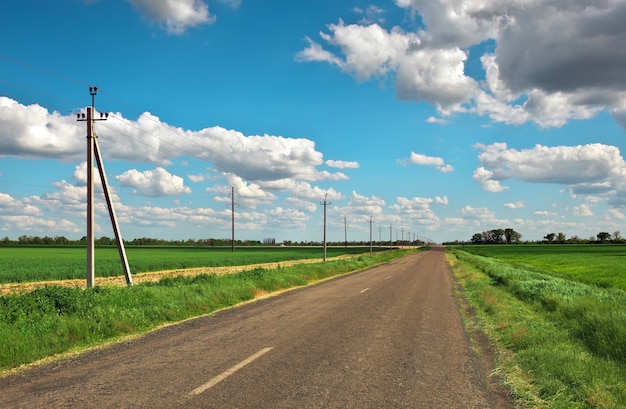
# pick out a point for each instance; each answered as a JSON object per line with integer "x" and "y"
{"x": 325, "y": 203}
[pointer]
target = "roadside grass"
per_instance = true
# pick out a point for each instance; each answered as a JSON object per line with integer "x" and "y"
{"x": 562, "y": 343}
{"x": 43, "y": 263}
{"x": 55, "y": 320}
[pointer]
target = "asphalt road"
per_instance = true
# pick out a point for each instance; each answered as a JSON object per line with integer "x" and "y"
{"x": 387, "y": 337}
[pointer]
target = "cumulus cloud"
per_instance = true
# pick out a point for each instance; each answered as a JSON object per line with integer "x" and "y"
{"x": 32, "y": 131}
{"x": 583, "y": 210}
{"x": 424, "y": 160}
{"x": 417, "y": 210}
{"x": 247, "y": 195}
{"x": 157, "y": 182}
{"x": 341, "y": 164}
{"x": 551, "y": 61}
{"x": 291, "y": 219}
{"x": 544, "y": 213}
{"x": 422, "y": 73}
{"x": 364, "y": 207}
{"x": 593, "y": 169}
{"x": 176, "y": 15}
{"x": 486, "y": 179}
{"x": 481, "y": 214}
{"x": 520, "y": 204}
{"x": 568, "y": 165}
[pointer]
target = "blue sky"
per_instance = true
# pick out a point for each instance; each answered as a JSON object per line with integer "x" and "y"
{"x": 440, "y": 118}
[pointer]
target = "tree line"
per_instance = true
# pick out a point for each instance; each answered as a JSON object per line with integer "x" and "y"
{"x": 510, "y": 236}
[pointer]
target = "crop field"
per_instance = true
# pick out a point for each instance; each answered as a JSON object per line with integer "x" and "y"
{"x": 557, "y": 314}
{"x": 38, "y": 263}
{"x": 602, "y": 265}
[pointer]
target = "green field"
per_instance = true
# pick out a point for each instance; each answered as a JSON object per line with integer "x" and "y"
{"x": 598, "y": 264}
{"x": 557, "y": 315}
{"x": 39, "y": 263}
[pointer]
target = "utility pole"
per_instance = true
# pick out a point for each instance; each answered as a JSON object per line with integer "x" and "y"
{"x": 93, "y": 149}
{"x": 345, "y": 232}
{"x": 371, "y": 220}
{"x": 232, "y": 206}
{"x": 325, "y": 203}
{"x": 390, "y": 237}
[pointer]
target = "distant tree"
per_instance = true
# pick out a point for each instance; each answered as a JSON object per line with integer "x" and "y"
{"x": 498, "y": 235}
{"x": 603, "y": 236}
{"x": 617, "y": 236}
{"x": 560, "y": 237}
{"x": 511, "y": 236}
{"x": 549, "y": 237}
{"x": 477, "y": 238}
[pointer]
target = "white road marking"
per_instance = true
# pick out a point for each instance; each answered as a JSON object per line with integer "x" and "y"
{"x": 219, "y": 378}
{"x": 387, "y": 278}
{"x": 364, "y": 290}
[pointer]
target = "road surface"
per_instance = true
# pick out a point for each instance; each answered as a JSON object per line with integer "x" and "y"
{"x": 387, "y": 337}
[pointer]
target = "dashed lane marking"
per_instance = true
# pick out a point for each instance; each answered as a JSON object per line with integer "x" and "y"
{"x": 219, "y": 378}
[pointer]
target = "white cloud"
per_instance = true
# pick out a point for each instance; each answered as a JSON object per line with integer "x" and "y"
{"x": 544, "y": 213}
{"x": 516, "y": 205}
{"x": 32, "y": 132}
{"x": 583, "y": 210}
{"x": 423, "y": 160}
{"x": 12, "y": 206}
{"x": 422, "y": 73}
{"x": 301, "y": 204}
{"x": 614, "y": 214}
{"x": 247, "y": 194}
{"x": 157, "y": 182}
{"x": 340, "y": 164}
{"x": 551, "y": 61}
{"x": 177, "y": 15}
{"x": 286, "y": 219}
{"x": 365, "y": 207}
{"x": 581, "y": 167}
{"x": 485, "y": 178}
{"x": 416, "y": 211}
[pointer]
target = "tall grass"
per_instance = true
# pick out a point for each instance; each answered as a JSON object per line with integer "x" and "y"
{"x": 53, "y": 319}
{"x": 567, "y": 338}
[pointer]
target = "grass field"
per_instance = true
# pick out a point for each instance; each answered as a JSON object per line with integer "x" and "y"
{"x": 597, "y": 264}
{"x": 39, "y": 263}
{"x": 557, "y": 315}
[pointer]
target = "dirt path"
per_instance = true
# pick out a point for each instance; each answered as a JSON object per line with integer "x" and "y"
{"x": 386, "y": 337}
{"x": 157, "y": 275}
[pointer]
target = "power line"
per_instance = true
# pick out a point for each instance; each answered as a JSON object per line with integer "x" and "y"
{"x": 44, "y": 70}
